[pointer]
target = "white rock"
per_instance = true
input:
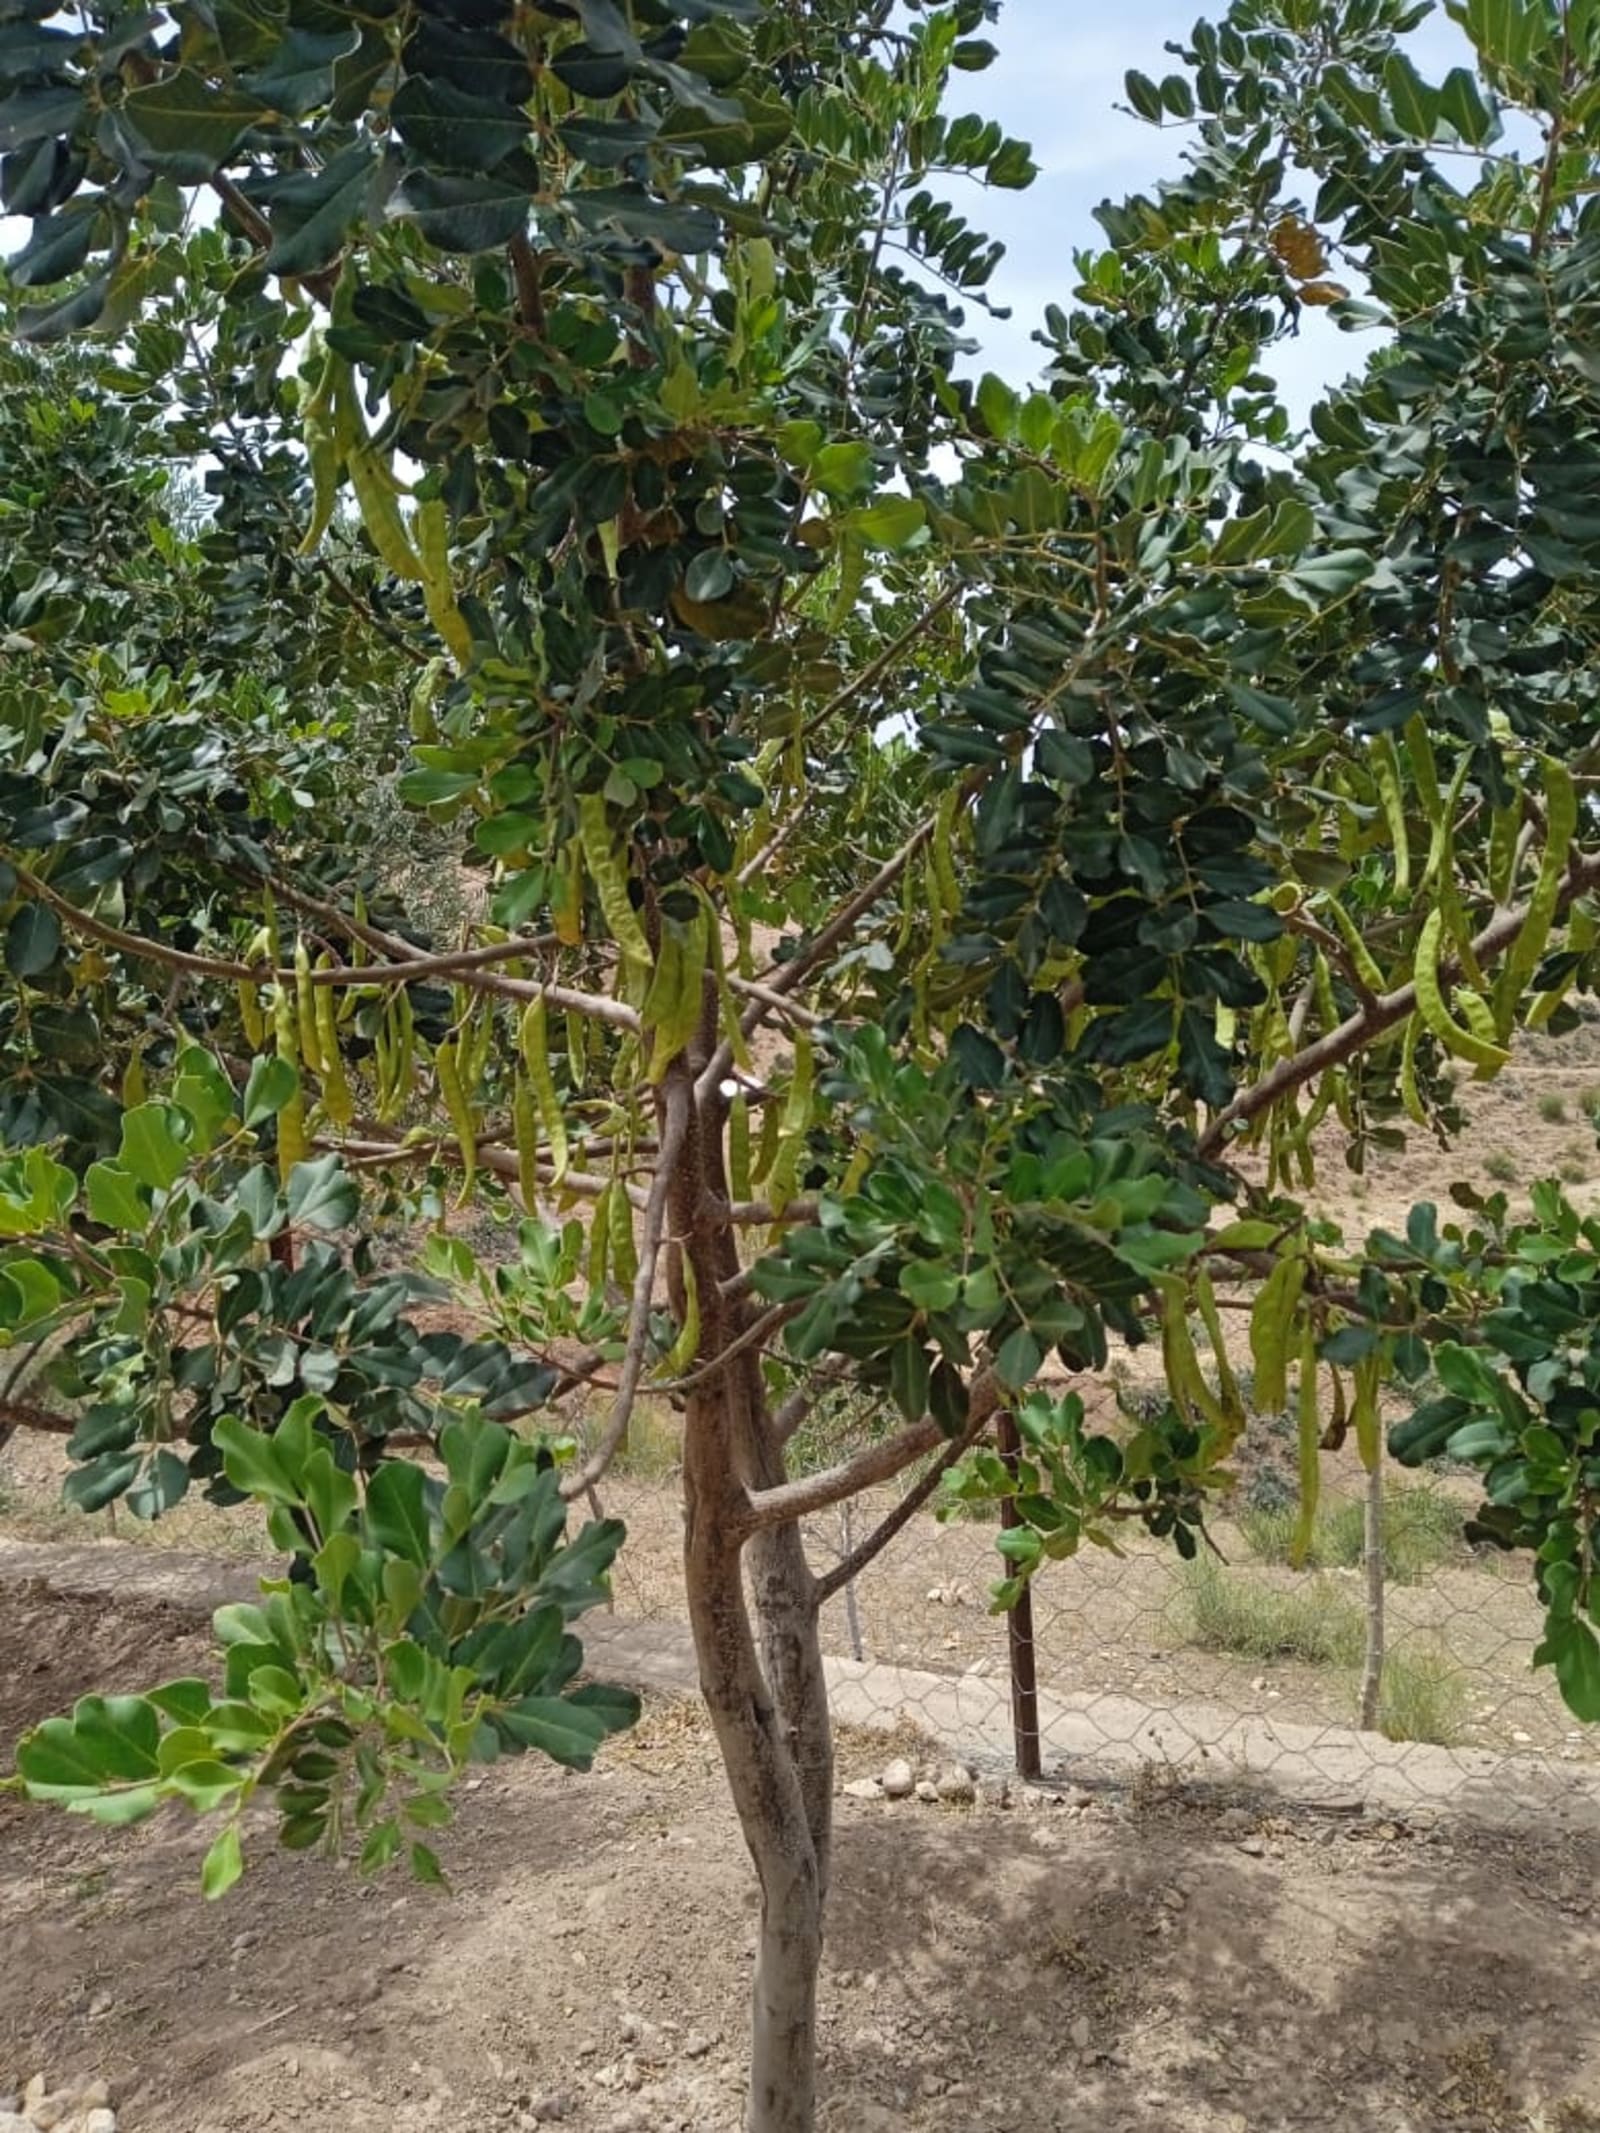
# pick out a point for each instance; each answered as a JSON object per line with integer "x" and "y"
{"x": 1081, "y": 2033}
{"x": 927, "y": 1791}
{"x": 899, "y": 1781}
{"x": 863, "y": 1789}
{"x": 14, "y": 2122}
{"x": 100, "y": 2121}
{"x": 954, "y": 1785}
{"x": 696, "y": 2044}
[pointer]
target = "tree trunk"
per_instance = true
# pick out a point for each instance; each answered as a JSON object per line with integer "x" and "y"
{"x": 1372, "y": 1555}
{"x": 768, "y": 1706}
{"x": 772, "y": 1728}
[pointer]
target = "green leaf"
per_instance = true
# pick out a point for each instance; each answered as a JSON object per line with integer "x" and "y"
{"x": 112, "y": 1197}
{"x": 153, "y": 1149}
{"x": 1144, "y": 95}
{"x": 561, "y": 1727}
{"x": 271, "y": 1084}
{"x": 930, "y": 1287}
{"x": 185, "y": 128}
{"x": 313, "y": 214}
{"x": 33, "y": 941}
{"x": 1019, "y": 1360}
{"x": 203, "y": 1091}
{"x": 891, "y": 522}
{"x": 396, "y": 1514}
{"x": 466, "y": 213}
{"x": 223, "y": 1864}
{"x": 322, "y": 1195}
{"x": 1575, "y": 1650}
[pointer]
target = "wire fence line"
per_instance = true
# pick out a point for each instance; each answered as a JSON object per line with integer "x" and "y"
{"x": 1352, "y": 1668}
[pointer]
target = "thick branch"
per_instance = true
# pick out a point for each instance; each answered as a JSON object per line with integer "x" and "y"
{"x": 1370, "y": 1022}
{"x": 866, "y": 1469}
{"x": 852, "y": 1565}
{"x": 677, "y": 1111}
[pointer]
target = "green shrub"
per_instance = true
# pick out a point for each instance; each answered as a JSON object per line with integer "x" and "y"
{"x": 1421, "y": 1529}
{"x": 1501, "y": 1167}
{"x": 1424, "y": 1697}
{"x": 1552, "y": 1108}
{"x": 1236, "y": 1613}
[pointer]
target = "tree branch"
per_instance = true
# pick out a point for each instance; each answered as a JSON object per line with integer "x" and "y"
{"x": 852, "y": 1565}
{"x": 877, "y": 1463}
{"x": 464, "y": 963}
{"x": 1370, "y": 1022}
{"x": 677, "y": 1106}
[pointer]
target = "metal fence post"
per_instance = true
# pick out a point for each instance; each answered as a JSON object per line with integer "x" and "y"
{"x": 1019, "y": 1631}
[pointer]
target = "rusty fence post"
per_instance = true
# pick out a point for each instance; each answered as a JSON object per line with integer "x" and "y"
{"x": 1019, "y": 1632}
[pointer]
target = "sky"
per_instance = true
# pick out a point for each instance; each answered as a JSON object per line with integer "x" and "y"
{"x": 1057, "y": 84}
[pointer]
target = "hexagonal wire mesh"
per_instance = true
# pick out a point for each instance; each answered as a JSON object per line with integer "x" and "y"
{"x": 1236, "y": 1667}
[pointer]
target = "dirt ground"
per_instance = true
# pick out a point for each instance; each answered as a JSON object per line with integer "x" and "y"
{"x": 1126, "y": 1962}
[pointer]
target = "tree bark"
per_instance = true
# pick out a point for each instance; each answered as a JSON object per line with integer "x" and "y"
{"x": 767, "y": 1701}
{"x": 778, "y": 1771}
{"x": 1372, "y": 1556}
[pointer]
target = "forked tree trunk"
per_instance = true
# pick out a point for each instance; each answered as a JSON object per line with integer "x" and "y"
{"x": 763, "y": 1684}
{"x": 1372, "y": 1555}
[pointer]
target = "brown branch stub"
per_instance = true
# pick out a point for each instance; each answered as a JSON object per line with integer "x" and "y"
{"x": 527, "y": 270}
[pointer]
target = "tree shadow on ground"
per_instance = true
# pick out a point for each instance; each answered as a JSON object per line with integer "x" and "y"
{"x": 1131, "y": 1972}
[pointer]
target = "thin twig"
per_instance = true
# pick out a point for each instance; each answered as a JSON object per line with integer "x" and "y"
{"x": 852, "y": 1565}
{"x": 677, "y": 1109}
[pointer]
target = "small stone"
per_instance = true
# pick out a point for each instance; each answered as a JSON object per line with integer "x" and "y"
{"x": 1253, "y": 1847}
{"x": 630, "y": 2029}
{"x": 34, "y": 2092}
{"x": 696, "y": 2044}
{"x": 94, "y": 2096}
{"x": 48, "y": 2111}
{"x": 927, "y": 1791}
{"x": 14, "y": 2122}
{"x": 954, "y": 1786}
{"x": 1081, "y": 2033}
{"x": 101, "y": 2004}
{"x": 552, "y": 2109}
{"x": 899, "y": 1781}
{"x": 101, "y": 2121}
{"x": 863, "y": 1789}
{"x": 1174, "y": 1900}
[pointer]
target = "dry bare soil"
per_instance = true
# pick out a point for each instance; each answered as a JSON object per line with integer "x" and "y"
{"x": 1122, "y": 1962}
